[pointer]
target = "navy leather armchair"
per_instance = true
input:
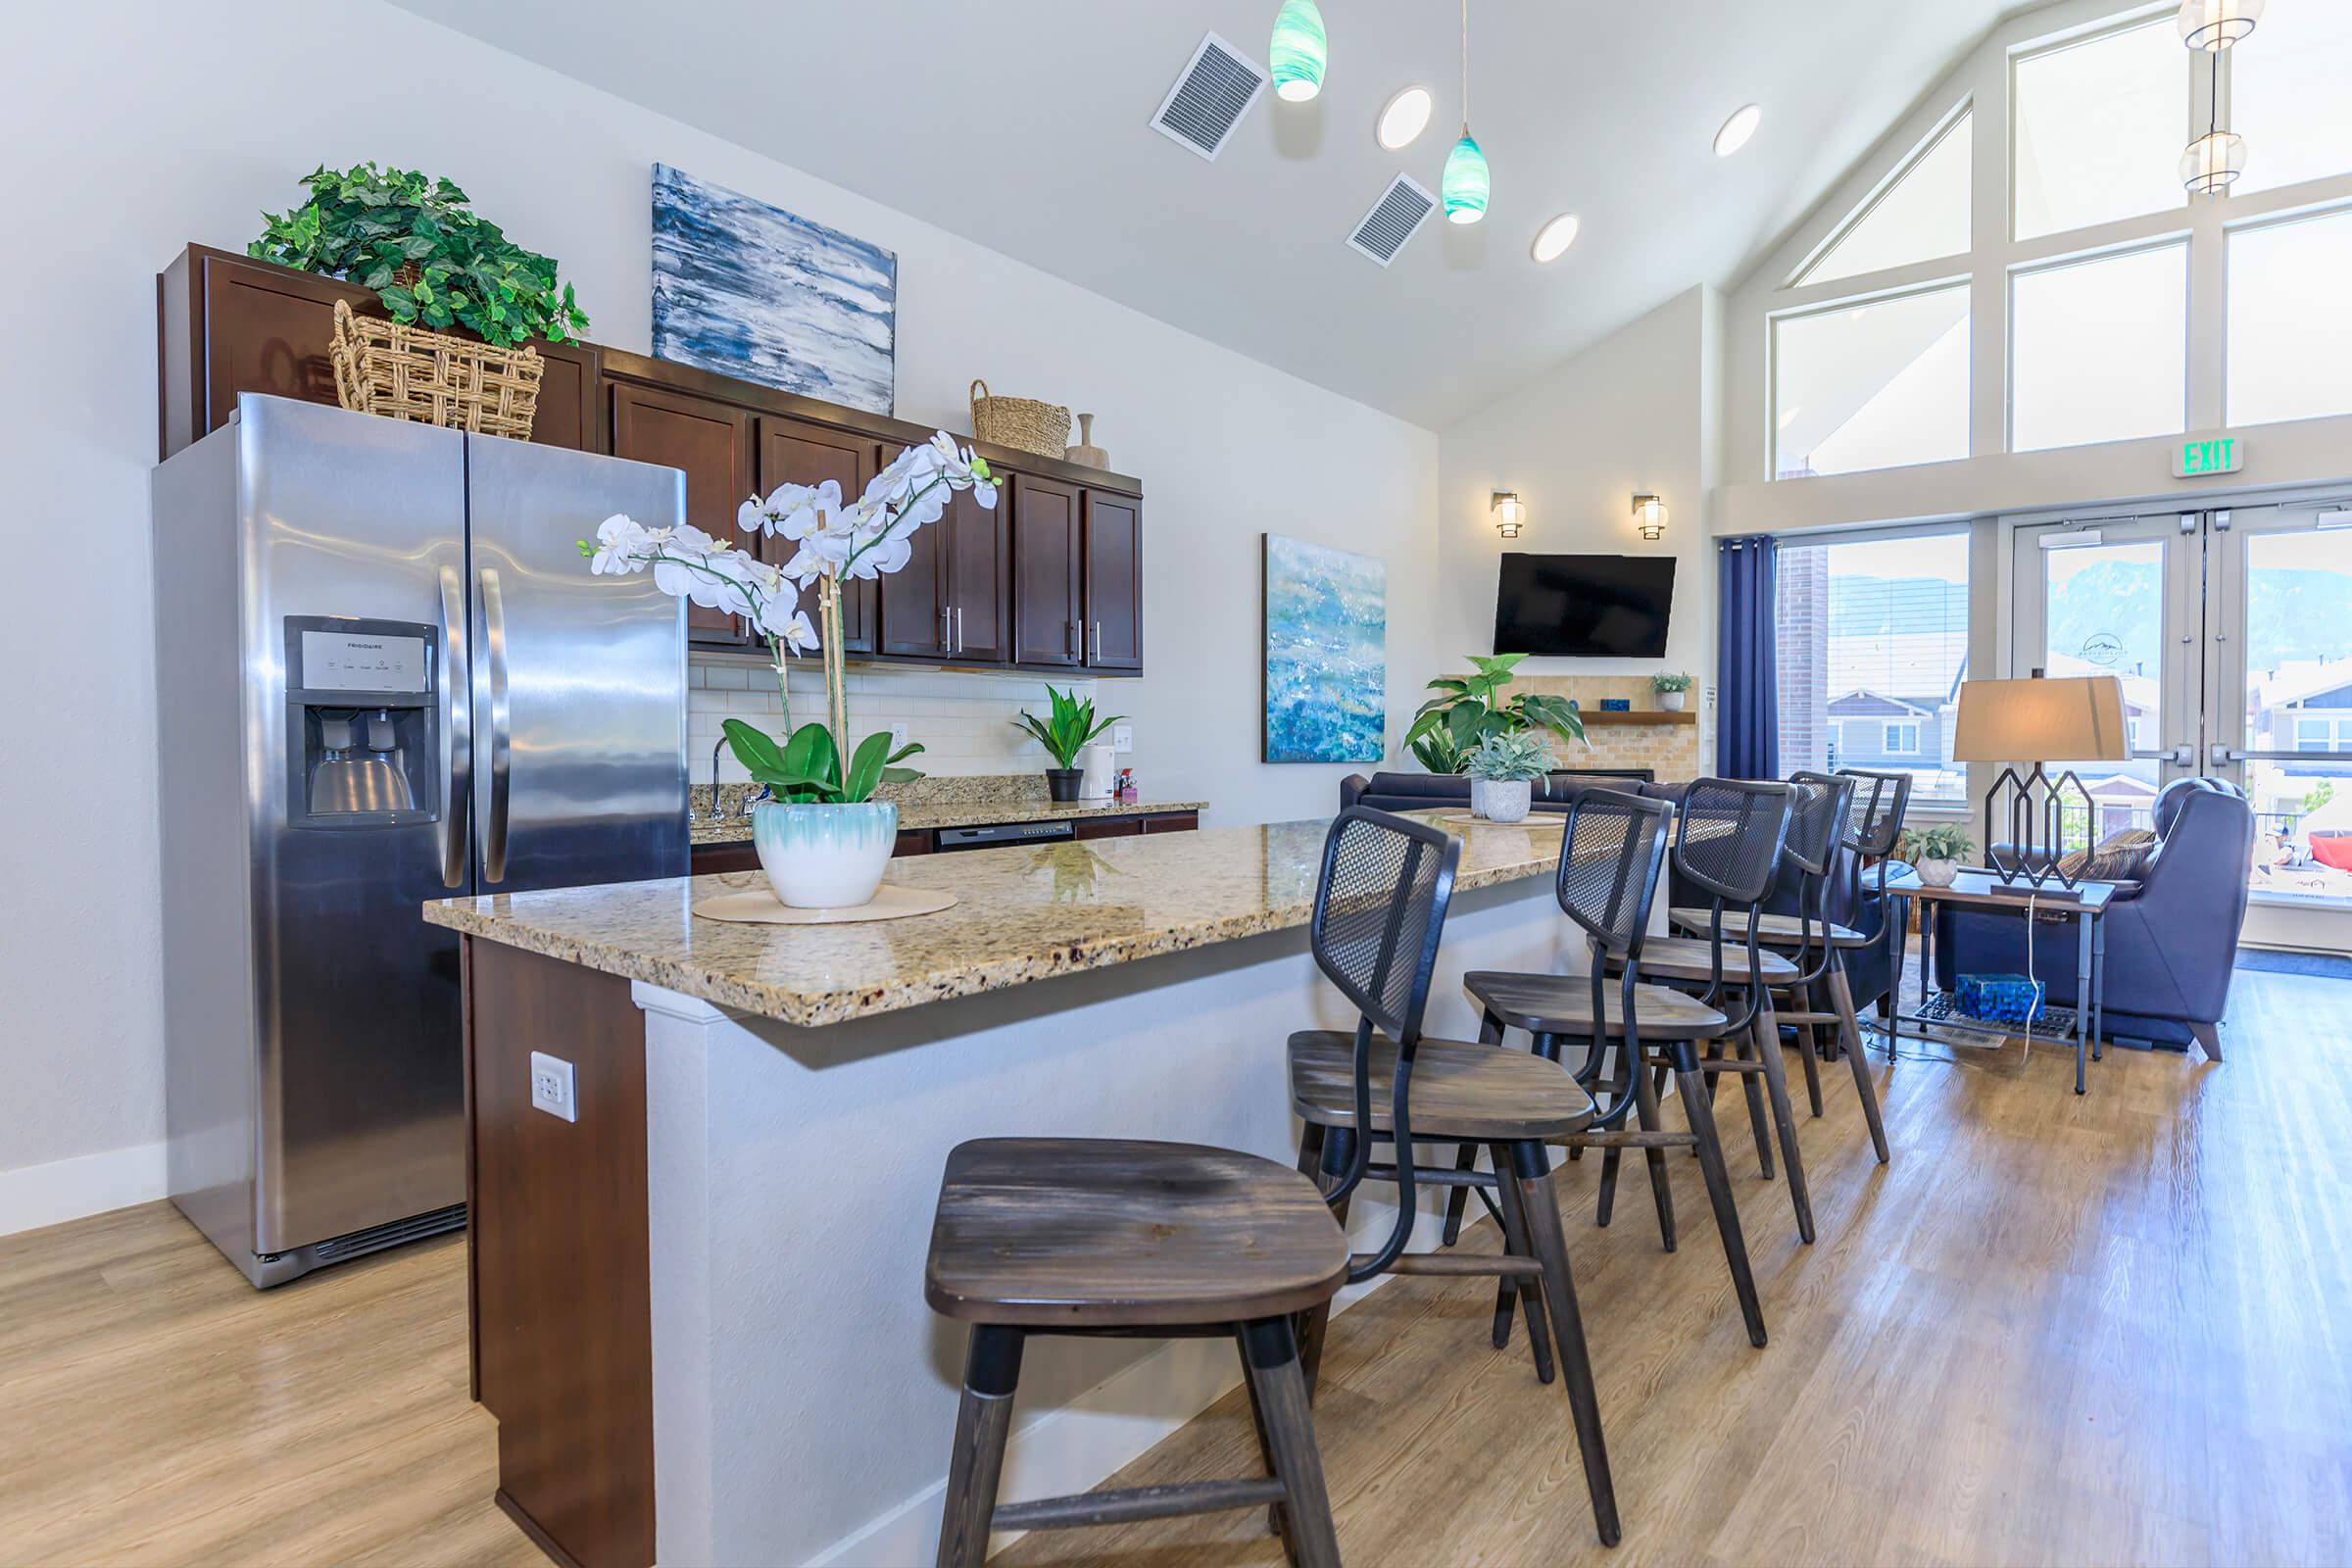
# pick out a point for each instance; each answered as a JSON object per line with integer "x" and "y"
{"x": 2172, "y": 937}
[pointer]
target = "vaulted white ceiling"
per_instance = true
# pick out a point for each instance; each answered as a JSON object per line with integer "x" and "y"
{"x": 1605, "y": 107}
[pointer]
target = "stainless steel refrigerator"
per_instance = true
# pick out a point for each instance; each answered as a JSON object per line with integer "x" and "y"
{"x": 383, "y": 675}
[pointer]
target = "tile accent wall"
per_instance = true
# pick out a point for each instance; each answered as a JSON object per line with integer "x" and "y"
{"x": 965, "y": 720}
{"x": 1673, "y": 751}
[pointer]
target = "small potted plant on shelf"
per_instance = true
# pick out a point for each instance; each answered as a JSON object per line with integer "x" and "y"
{"x": 1936, "y": 853}
{"x": 823, "y": 840}
{"x": 1503, "y": 770}
{"x": 1451, "y": 725}
{"x": 1071, "y": 729}
{"x": 1671, "y": 691}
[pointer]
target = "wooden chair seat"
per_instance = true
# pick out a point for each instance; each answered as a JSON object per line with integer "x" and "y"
{"x": 1460, "y": 1093}
{"x": 1060, "y": 1233}
{"x": 1692, "y": 958}
{"x": 1780, "y": 930}
{"x": 1562, "y": 1005}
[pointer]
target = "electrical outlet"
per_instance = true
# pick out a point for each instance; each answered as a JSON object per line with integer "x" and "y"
{"x": 897, "y": 736}
{"x": 552, "y": 1086}
{"x": 1123, "y": 737}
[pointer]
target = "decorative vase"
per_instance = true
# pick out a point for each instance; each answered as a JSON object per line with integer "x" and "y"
{"x": 1086, "y": 452}
{"x": 1671, "y": 702}
{"x": 1937, "y": 873}
{"x": 824, "y": 857}
{"x": 1062, "y": 783}
{"x": 1499, "y": 799}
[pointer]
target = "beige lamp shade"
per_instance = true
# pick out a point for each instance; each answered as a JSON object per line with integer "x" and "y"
{"x": 2073, "y": 719}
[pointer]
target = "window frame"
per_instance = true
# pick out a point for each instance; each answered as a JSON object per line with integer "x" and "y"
{"x": 2181, "y": 240}
{"x": 1774, "y": 321}
{"x": 2321, "y": 211}
{"x": 2132, "y": 20}
{"x": 1801, "y": 275}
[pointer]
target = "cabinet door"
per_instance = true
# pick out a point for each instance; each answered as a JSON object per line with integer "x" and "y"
{"x": 794, "y": 453}
{"x": 1114, "y": 581}
{"x": 913, "y": 604}
{"x": 1045, "y": 572}
{"x": 979, "y": 579}
{"x": 566, "y": 413}
{"x": 711, "y": 443}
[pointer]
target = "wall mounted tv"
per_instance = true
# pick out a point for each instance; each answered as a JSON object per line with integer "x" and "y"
{"x": 1584, "y": 607}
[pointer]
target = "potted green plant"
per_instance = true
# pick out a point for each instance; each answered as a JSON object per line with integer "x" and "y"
{"x": 429, "y": 257}
{"x": 1503, "y": 770}
{"x": 1671, "y": 690}
{"x": 1936, "y": 853}
{"x": 1465, "y": 712}
{"x": 1070, "y": 730}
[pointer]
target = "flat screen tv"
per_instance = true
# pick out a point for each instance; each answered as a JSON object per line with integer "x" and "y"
{"x": 1584, "y": 607}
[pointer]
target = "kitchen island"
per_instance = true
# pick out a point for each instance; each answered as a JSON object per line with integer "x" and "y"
{"x": 696, "y": 1306}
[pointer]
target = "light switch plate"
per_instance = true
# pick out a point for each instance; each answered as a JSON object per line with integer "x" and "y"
{"x": 552, "y": 1089}
{"x": 1123, "y": 737}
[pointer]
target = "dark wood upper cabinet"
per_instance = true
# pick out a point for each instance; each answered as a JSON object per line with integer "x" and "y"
{"x": 915, "y": 620}
{"x": 792, "y": 452}
{"x": 1045, "y": 554}
{"x": 229, "y": 325}
{"x": 979, "y": 579}
{"x": 1114, "y": 581}
{"x": 709, "y": 442}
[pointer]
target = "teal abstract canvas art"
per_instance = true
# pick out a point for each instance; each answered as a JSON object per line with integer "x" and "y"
{"x": 1327, "y": 654}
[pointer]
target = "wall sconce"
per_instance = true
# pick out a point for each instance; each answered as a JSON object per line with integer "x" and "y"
{"x": 1649, "y": 515}
{"x": 1509, "y": 515}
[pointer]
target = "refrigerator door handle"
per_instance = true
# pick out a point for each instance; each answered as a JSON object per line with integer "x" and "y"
{"x": 457, "y": 732}
{"x": 502, "y": 734}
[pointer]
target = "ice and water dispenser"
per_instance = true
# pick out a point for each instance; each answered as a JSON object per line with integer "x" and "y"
{"x": 362, "y": 723}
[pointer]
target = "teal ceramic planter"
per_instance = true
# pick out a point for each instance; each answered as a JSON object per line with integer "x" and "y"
{"x": 824, "y": 857}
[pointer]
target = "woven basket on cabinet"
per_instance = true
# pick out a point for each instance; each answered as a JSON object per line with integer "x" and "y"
{"x": 411, "y": 373}
{"x": 1022, "y": 423}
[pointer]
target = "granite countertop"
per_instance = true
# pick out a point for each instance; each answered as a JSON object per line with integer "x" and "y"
{"x": 922, "y": 817}
{"x": 1026, "y": 913}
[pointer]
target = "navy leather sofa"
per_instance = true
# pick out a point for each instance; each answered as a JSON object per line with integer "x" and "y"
{"x": 2172, "y": 937}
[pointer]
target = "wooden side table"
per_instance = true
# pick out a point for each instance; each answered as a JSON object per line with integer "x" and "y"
{"x": 2085, "y": 901}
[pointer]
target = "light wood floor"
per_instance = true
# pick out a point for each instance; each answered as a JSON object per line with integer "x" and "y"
{"x": 2108, "y": 1330}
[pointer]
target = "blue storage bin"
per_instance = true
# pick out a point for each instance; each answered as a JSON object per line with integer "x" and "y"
{"x": 2001, "y": 998}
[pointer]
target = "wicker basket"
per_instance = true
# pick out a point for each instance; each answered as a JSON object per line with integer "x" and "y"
{"x": 410, "y": 372}
{"x": 1022, "y": 423}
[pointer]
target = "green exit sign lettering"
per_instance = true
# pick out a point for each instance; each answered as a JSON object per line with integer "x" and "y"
{"x": 2196, "y": 459}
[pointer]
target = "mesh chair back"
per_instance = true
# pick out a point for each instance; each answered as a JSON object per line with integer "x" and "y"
{"x": 1380, "y": 908}
{"x": 1610, "y": 855}
{"x": 1727, "y": 843}
{"x": 1879, "y": 801}
{"x": 1819, "y": 808}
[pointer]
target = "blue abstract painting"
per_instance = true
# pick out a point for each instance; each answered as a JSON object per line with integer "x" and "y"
{"x": 1327, "y": 654}
{"x": 752, "y": 291}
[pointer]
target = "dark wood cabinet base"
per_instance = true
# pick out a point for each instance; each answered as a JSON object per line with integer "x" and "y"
{"x": 716, "y": 860}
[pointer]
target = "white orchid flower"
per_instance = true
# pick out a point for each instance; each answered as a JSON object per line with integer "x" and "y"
{"x": 983, "y": 491}
{"x": 888, "y": 555}
{"x": 912, "y": 469}
{"x": 622, "y": 544}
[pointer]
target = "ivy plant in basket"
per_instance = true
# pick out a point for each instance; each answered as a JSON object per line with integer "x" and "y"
{"x": 430, "y": 256}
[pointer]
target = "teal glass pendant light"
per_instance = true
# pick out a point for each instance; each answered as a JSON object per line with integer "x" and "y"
{"x": 1298, "y": 52}
{"x": 1464, "y": 187}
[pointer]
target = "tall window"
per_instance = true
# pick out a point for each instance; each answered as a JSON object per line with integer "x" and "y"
{"x": 2099, "y": 349}
{"x": 1873, "y": 644}
{"x": 2288, "y": 97}
{"x": 1923, "y": 214}
{"x": 2291, "y": 320}
{"x": 2100, "y": 126}
{"x": 1877, "y": 385}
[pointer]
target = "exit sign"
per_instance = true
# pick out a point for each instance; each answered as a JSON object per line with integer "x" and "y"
{"x": 2221, "y": 454}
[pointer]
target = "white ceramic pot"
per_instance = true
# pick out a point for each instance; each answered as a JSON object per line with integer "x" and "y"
{"x": 1937, "y": 873}
{"x": 1501, "y": 799}
{"x": 1671, "y": 702}
{"x": 824, "y": 857}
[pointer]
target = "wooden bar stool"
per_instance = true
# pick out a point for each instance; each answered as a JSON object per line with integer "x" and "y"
{"x": 1819, "y": 829}
{"x": 1379, "y": 911}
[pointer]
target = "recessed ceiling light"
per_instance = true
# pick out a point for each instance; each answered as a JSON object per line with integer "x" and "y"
{"x": 1736, "y": 131}
{"x": 1404, "y": 117}
{"x": 1554, "y": 237}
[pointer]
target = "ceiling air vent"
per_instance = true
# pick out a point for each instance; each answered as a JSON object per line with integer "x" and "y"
{"x": 1215, "y": 89}
{"x": 1391, "y": 221}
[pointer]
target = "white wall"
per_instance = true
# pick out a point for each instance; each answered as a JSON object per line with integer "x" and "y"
{"x": 1634, "y": 413}
{"x": 160, "y": 124}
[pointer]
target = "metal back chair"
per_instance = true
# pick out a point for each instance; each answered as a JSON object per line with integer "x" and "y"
{"x": 1876, "y": 827}
{"x": 1728, "y": 845}
{"x": 1820, "y": 807}
{"x": 1379, "y": 909}
{"x": 1611, "y": 851}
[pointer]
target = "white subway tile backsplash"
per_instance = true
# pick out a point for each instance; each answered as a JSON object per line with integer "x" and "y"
{"x": 963, "y": 721}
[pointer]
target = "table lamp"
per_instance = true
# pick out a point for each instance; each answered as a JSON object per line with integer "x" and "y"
{"x": 2027, "y": 723}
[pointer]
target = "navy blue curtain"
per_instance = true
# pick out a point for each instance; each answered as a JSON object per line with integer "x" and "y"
{"x": 1747, "y": 706}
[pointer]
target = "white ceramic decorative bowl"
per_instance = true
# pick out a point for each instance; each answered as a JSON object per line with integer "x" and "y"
{"x": 824, "y": 857}
{"x": 1937, "y": 873}
{"x": 1501, "y": 799}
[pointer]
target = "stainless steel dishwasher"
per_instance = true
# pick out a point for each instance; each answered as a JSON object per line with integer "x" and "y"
{"x": 999, "y": 834}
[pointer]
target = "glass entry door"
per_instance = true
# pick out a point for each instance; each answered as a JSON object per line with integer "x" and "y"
{"x": 2232, "y": 632}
